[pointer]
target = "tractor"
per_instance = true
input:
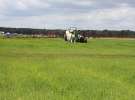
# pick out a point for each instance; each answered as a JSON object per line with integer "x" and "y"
{"x": 73, "y": 35}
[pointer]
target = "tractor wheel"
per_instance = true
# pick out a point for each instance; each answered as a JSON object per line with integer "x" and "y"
{"x": 65, "y": 37}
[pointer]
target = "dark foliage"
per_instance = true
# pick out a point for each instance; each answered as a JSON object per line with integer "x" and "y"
{"x": 60, "y": 33}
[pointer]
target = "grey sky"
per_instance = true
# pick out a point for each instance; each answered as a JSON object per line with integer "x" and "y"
{"x": 84, "y": 14}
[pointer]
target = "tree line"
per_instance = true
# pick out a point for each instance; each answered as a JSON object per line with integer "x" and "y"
{"x": 60, "y": 32}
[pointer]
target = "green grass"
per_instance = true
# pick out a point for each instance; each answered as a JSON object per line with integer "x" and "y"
{"x": 51, "y": 69}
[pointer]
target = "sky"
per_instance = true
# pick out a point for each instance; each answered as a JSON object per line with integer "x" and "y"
{"x": 62, "y": 14}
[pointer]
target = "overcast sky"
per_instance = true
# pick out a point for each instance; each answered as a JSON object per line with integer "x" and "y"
{"x": 61, "y": 14}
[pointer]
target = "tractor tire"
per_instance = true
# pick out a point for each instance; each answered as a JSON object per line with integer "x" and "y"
{"x": 65, "y": 37}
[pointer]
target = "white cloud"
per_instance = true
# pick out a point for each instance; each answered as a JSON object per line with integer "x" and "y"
{"x": 92, "y": 14}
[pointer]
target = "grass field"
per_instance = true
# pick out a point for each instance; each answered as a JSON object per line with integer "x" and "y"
{"x": 51, "y": 69}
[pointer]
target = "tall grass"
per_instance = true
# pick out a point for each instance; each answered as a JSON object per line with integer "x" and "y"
{"x": 51, "y": 69}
